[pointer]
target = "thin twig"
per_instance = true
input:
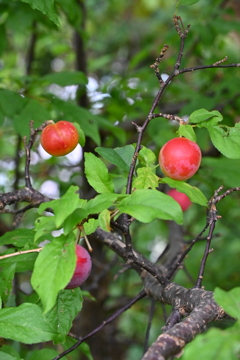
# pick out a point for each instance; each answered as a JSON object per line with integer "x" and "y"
{"x": 17, "y": 161}
{"x": 205, "y": 255}
{"x": 228, "y": 192}
{"x": 183, "y": 35}
{"x": 31, "y": 49}
{"x": 173, "y": 319}
{"x": 140, "y": 295}
{"x": 184, "y": 254}
{"x": 150, "y": 318}
{"x": 28, "y": 146}
{"x": 155, "y": 66}
{"x": 213, "y": 66}
{"x": 170, "y": 117}
{"x": 212, "y": 219}
{"x": 20, "y": 253}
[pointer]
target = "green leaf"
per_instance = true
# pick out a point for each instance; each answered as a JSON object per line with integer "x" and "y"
{"x": 9, "y": 350}
{"x": 61, "y": 316}
{"x": 121, "y": 156}
{"x": 194, "y": 194}
{"x": 72, "y": 215}
{"x": 147, "y": 157}
{"x": 187, "y": 2}
{"x": 73, "y": 219}
{"x": 11, "y": 103}
{"x": 104, "y": 220}
{"x": 32, "y": 110}
{"x": 46, "y": 7}
{"x": 24, "y": 323}
{"x": 6, "y": 279}
{"x": 24, "y": 262}
{"x": 44, "y": 226}
{"x": 81, "y": 134}
{"x": 100, "y": 202}
{"x": 202, "y": 115}
{"x": 187, "y": 131}
{"x": 219, "y": 169}
{"x": 215, "y": 344}
{"x": 44, "y": 354}
{"x": 3, "y": 38}
{"x": 17, "y": 237}
{"x": 147, "y": 205}
{"x": 70, "y": 201}
{"x": 229, "y": 301}
{"x": 85, "y": 349}
{"x": 119, "y": 133}
{"x": 73, "y": 113}
{"x": 72, "y": 12}
{"x": 53, "y": 269}
{"x": 227, "y": 142}
{"x": 90, "y": 226}
{"x": 146, "y": 179}
{"x": 2, "y": 117}
{"x": 65, "y": 219}
{"x": 4, "y": 356}
{"x": 65, "y": 78}
{"x": 97, "y": 174}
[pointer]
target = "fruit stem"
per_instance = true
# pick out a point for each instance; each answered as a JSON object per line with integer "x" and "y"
{"x": 90, "y": 249}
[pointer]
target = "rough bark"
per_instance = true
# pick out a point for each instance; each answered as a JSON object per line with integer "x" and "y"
{"x": 196, "y": 307}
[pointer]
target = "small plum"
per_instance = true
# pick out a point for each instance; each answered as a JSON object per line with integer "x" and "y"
{"x": 83, "y": 268}
{"x": 180, "y": 158}
{"x": 59, "y": 138}
{"x": 181, "y": 198}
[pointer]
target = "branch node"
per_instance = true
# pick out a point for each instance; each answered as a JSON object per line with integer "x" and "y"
{"x": 221, "y": 61}
{"x": 139, "y": 128}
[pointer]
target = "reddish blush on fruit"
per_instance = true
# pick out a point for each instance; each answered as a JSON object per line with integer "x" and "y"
{"x": 181, "y": 198}
{"x": 180, "y": 158}
{"x": 59, "y": 139}
{"x": 83, "y": 268}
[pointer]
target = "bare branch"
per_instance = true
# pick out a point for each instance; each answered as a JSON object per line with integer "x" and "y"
{"x": 170, "y": 117}
{"x": 34, "y": 197}
{"x": 208, "y": 67}
{"x": 28, "y": 146}
{"x": 197, "y": 304}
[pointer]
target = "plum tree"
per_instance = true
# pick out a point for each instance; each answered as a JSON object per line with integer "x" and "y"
{"x": 59, "y": 139}
{"x": 147, "y": 256}
{"x": 83, "y": 268}
{"x": 180, "y": 158}
{"x": 181, "y": 198}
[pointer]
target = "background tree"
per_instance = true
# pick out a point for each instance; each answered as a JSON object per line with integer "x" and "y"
{"x": 89, "y": 63}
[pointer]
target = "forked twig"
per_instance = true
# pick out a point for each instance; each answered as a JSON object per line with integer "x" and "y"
{"x": 212, "y": 218}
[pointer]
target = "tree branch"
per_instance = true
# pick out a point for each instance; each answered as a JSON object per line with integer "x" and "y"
{"x": 197, "y": 304}
{"x": 34, "y": 197}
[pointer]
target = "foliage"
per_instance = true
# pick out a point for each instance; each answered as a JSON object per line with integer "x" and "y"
{"x": 112, "y": 183}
